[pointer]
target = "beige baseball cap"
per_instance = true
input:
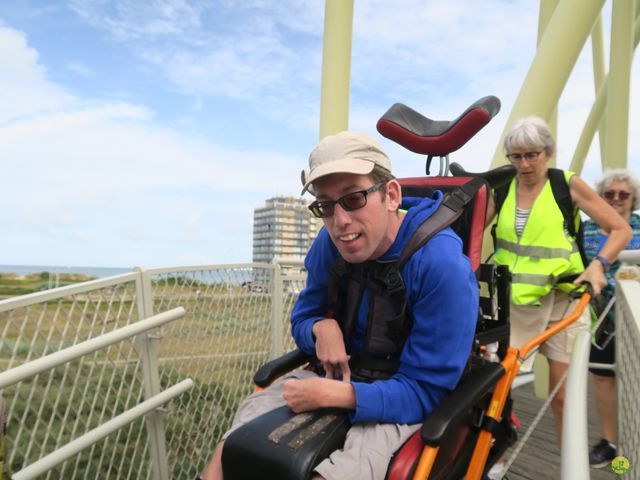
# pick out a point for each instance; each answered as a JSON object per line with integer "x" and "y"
{"x": 345, "y": 152}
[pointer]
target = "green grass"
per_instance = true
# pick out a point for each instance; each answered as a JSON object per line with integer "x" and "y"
{"x": 12, "y": 284}
{"x": 189, "y": 416}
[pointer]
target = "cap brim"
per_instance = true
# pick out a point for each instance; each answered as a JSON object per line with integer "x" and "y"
{"x": 348, "y": 165}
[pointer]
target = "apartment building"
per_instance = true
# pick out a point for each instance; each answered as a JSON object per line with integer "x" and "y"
{"x": 283, "y": 227}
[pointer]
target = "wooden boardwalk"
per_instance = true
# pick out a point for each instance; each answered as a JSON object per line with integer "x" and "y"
{"x": 540, "y": 457}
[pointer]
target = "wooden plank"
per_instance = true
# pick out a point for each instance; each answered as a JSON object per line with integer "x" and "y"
{"x": 540, "y": 457}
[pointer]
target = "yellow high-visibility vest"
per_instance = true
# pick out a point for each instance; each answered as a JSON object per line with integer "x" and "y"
{"x": 543, "y": 253}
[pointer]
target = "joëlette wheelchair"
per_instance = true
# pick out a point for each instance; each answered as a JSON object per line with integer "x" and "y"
{"x": 472, "y": 427}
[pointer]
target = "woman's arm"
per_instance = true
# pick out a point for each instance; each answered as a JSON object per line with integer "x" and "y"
{"x": 618, "y": 230}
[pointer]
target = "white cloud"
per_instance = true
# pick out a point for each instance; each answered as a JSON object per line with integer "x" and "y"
{"x": 24, "y": 89}
{"x": 107, "y": 181}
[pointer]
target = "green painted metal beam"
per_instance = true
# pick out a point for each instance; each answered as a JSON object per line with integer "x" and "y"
{"x": 599, "y": 75}
{"x": 569, "y": 27}
{"x": 619, "y": 84}
{"x": 547, "y": 7}
{"x": 336, "y": 67}
{"x": 595, "y": 118}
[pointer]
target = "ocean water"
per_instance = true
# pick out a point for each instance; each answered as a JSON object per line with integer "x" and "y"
{"x": 90, "y": 271}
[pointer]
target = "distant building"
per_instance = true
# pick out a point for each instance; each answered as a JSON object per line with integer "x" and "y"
{"x": 283, "y": 228}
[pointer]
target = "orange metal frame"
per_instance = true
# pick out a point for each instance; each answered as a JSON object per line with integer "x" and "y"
{"x": 511, "y": 363}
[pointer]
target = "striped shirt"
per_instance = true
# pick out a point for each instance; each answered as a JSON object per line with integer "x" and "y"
{"x": 521, "y": 218}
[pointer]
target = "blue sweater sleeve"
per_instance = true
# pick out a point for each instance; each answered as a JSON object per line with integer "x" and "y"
{"x": 312, "y": 303}
{"x": 443, "y": 295}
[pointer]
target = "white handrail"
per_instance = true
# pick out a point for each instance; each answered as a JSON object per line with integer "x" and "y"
{"x": 575, "y": 443}
{"x": 60, "y": 292}
{"x": 629, "y": 256}
{"x": 75, "y": 446}
{"x": 52, "y": 360}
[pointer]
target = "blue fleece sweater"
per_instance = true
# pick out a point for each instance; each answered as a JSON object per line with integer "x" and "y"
{"x": 442, "y": 294}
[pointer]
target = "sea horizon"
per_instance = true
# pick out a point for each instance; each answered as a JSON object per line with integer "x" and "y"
{"x": 90, "y": 271}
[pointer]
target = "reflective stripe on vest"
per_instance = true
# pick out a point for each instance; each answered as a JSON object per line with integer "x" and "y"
{"x": 543, "y": 253}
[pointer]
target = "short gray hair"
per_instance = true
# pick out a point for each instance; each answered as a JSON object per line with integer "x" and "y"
{"x": 620, "y": 175}
{"x": 530, "y": 132}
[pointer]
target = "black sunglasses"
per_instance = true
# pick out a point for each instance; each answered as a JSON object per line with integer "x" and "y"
{"x": 611, "y": 194}
{"x": 349, "y": 202}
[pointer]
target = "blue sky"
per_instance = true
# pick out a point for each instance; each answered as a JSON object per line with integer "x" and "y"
{"x": 145, "y": 133}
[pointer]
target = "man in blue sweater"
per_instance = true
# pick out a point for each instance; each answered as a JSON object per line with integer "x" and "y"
{"x": 419, "y": 354}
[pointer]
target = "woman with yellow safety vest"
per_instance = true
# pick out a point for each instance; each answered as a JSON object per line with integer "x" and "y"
{"x": 534, "y": 242}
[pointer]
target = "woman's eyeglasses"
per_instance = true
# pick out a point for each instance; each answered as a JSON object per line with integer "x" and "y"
{"x": 611, "y": 194}
{"x": 528, "y": 156}
{"x": 349, "y": 202}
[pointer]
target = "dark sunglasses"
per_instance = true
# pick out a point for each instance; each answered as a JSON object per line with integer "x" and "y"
{"x": 349, "y": 202}
{"x": 611, "y": 194}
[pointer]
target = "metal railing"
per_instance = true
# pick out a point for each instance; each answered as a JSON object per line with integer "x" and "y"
{"x": 236, "y": 318}
{"x": 33, "y": 368}
{"x": 628, "y": 358}
{"x": 574, "y": 462}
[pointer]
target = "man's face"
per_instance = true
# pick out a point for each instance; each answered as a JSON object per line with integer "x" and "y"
{"x": 365, "y": 233}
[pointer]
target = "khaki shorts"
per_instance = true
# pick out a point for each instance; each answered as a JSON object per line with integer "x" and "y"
{"x": 368, "y": 447}
{"x": 529, "y": 321}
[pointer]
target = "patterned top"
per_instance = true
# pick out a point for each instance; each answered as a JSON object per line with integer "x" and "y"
{"x": 521, "y": 218}
{"x": 594, "y": 239}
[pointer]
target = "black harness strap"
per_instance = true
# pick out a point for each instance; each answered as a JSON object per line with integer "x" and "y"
{"x": 389, "y": 320}
{"x": 445, "y": 215}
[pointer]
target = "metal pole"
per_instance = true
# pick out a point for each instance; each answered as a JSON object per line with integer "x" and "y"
{"x": 596, "y": 118}
{"x": 575, "y": 443}
{"x": 277, "y": 310}
{"x": 58, "y": 456}
{"x": 619, "y": 85}
{"x": 547, "y": 7}
{"x": 336, "y": 67}
{"x": 146, "y": 344}
{"x": 43, "y": 364}
{"x": 599, "y": 77}
{"x": 569, "y": 28}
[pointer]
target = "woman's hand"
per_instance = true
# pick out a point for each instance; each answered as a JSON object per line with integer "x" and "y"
{"x": 594, "y": 274}
{"x": 330, "y": 349}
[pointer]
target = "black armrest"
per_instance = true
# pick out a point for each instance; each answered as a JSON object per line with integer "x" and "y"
{"x": 276, "y": 367}
{"x": 458, "y": 403}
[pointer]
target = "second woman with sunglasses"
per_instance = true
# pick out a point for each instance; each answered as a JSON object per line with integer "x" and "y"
{"x": 620, "y": 189}
{"x": 533, "y": 241}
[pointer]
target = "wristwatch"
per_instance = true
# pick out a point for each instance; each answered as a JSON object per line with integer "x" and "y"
{"x": 603, "y": 261}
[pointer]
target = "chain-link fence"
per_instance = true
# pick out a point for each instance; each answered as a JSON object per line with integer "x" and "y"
{"x": 236, "y": 319}
{"x": 55, "y": 407}
{"x": 627, "y": 362}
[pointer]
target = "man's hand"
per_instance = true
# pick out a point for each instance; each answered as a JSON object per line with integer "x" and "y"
{"x": 314, "y": 393}
{"x": 330, "y": 349}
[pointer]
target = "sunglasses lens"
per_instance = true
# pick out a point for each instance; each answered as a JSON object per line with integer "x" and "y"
{"x": 321, "y": 210}
{"x": 353, "y": 201}
{"x": 611, "y": 194}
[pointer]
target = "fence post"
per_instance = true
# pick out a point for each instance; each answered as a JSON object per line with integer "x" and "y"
{"x": 149, "y": 362}
{"x": 277, "y": 288}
